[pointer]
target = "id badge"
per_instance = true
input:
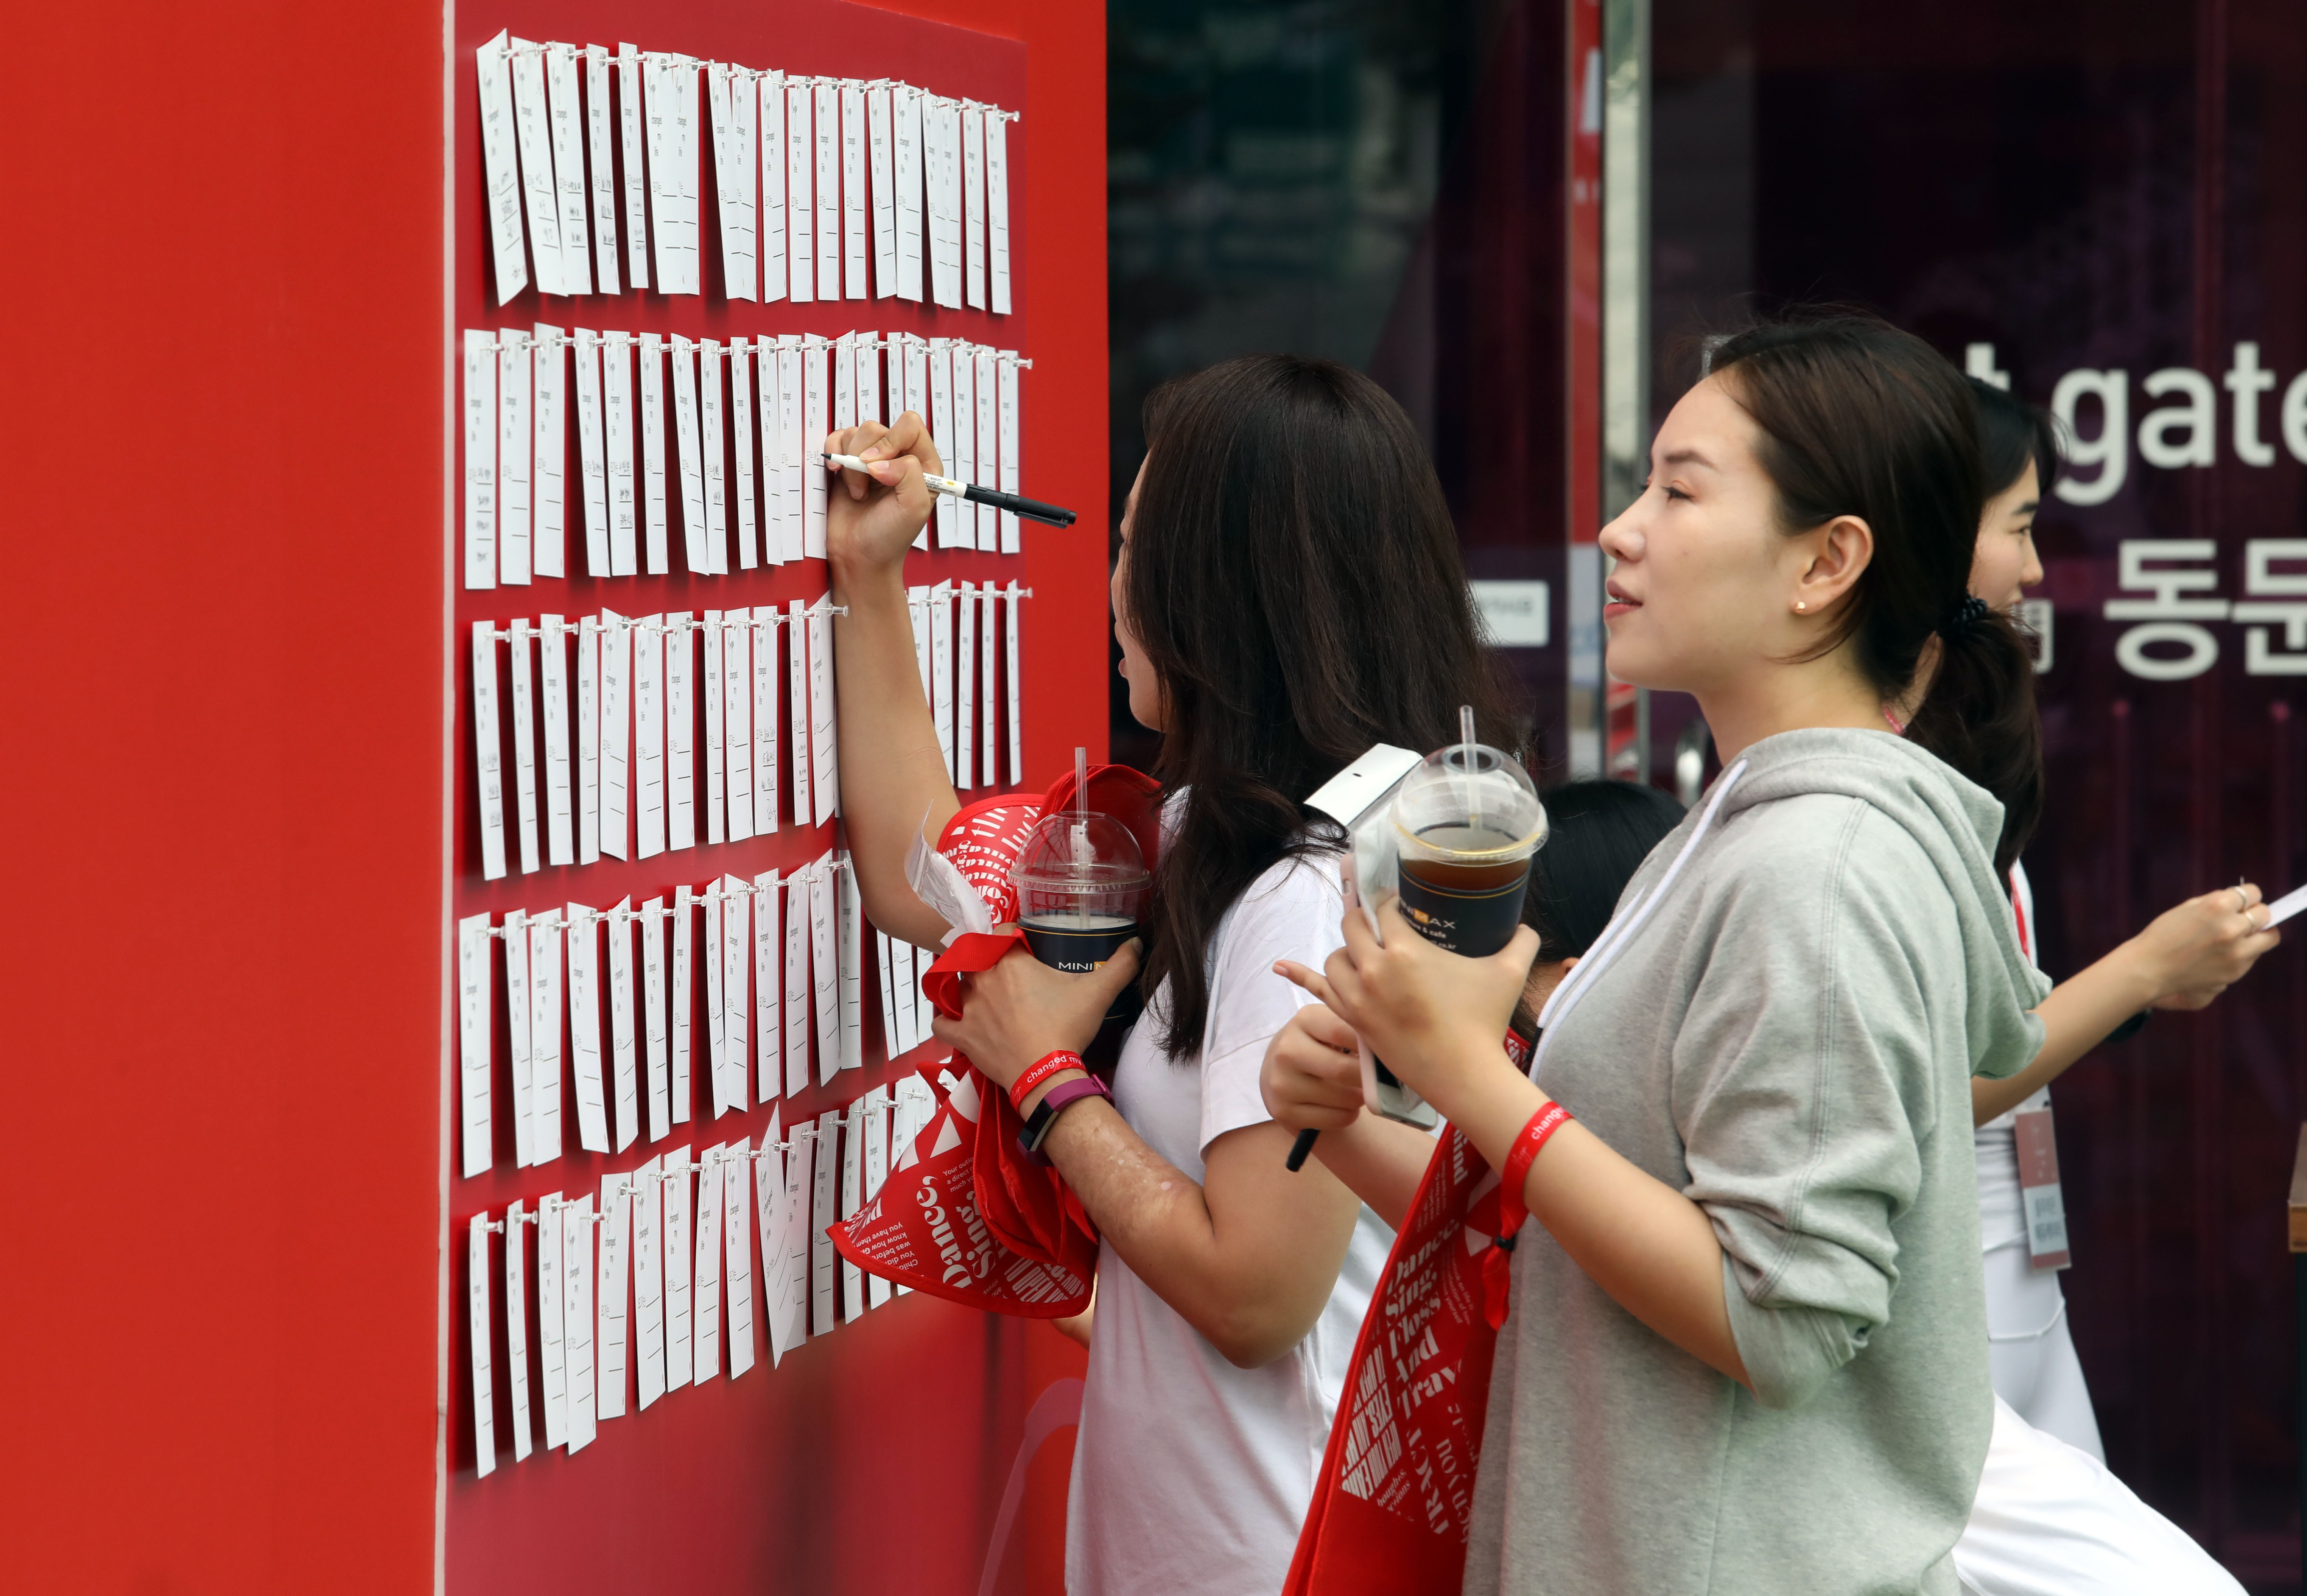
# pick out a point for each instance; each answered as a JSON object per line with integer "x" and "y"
{"x": 2038, "y": 1189}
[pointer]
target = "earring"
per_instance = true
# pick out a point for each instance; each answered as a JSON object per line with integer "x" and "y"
{"x": 1800, "y": 606}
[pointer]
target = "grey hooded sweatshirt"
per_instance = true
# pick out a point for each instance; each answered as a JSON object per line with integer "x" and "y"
{"x": 1781, "y": 1023}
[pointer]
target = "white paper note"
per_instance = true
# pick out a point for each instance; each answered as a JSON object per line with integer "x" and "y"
{"x": 825, "y": 765}
{"x": 480, "y": 459}
{"x": 553, "y": 699}
{"x": 609, "y": 1321}
{"x": 1006, "y": 378}
{"x": 523, "y": 706}
{"x": 784, "y": 1243}
{"x": 616, "y": 731}
{"x": 477, "y": 1339}
{"x": 488, "y": 750}
{"x": 690, "y": 128}
{"x": 741, "y": 434}
{"x": 737, "y": 1252}
{"x": 671, "y": 109}
{"x": 988, "y": 714}
{"x": 652, "y": 486}
{"x": 737, "y": 718}
{"x": 917, "y": 608}
{"x": 869, "y": 377}
{"x": 880, "y": 142}
{"x": 552, "y": 1305}
{"x": 540, "y": 197}
{"x": 903, "y": 964}
{"x": 907, "y": 159}
{"x": 801, "y": 208}
{"x": 804, "y": 805}
{"x": 766, "y": 665}
{"x": 566, "y": 114}
{"x": 941, "y": 672}
{"x": 716, "y": 678}
{"x": 648, "y": 1280}
{"x": 516, "y": 1273}
{"x": 918, "y": 400}
{"x": 654, "y": 1019}
{"x": 769, "y": 413}
{"x": 544, "y": 1036}
{"x": 961, "y": 439}
{"x": 683, "y": 998}
{"x": 845, "y": 383}
{"x": 941, "y": 123}
{"x": 733, "y": 103}
{"x": 822, "y": 1213}
{"x": 577, "y": 1318}
{"x": 825, "y": 113}
{"x": 987, "y": 458}
{"x": 816, "y": 422}
{"x": 853, "y": 1194}
{"x": 796, "y": 983}
{"x": 624, "y": 1089}
{"x": 852, "y": 935}
{"x": 679, "y": 1260}
{"x": 973, "y": 204}
{"x": 767, "y": 1181}
{"x": 585, "y": 1029}
{"x": 592, "y": 454}
{"x": 792, "y": 427}
{"x": 964, "y": 676}
{"x": 500, "y": 162}
{"x": 476, "y": 969}
{"x": 825, "y": 966}
{"x": 772, "y": 223}
{"x": 880, "y": 1114}
{"x": 679, "y": 730}
{"x": 649, "y": 736}
{"x": 705, "y": 1279}
{"x": 713, "y": 438}
{"x": 736, "y": 959}
{"x": 715, "y": 1002}
{"x": 588, "y": 740}
{"x": 887, "y": 976}
{"x": 1016, "y": 715}
{"x": 997, "y": 207}
{"x": 518, "y": 1018}
{"x": 943, "y": 422}
{"x": 768, "y": 991}
{"x": 515, "y": 440}
{"x": 853, "y": 188}
{"x": 617, "y": 425}
{"x": 628, "y": 126}
{"x": 692, "y": 456}
{"x": 599, "y": 141}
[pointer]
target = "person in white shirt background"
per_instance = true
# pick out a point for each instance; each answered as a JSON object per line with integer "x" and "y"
{"x": 1288, "y": 592}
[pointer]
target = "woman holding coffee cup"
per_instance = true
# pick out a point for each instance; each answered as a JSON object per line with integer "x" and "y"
{"x": 1284, "y": 525}
{"x": 1747, "y": 1342}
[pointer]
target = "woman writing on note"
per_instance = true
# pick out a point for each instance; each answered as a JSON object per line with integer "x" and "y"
{"x": 1288, "y": 592}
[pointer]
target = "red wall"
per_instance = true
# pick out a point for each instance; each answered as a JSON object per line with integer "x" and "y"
{"x": 225, "y": 704}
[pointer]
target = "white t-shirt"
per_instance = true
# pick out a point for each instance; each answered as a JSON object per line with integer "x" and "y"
{"x": 1191, "y": 1475}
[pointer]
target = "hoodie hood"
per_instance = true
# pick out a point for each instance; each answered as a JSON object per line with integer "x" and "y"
{"x": 1956, "y": 823}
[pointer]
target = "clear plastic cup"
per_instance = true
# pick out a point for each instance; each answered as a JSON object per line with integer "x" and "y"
{"x": 1081, "y": 889}
{"x": 1466, "y": 823}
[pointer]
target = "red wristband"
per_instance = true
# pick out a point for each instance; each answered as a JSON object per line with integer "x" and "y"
{"x": 1038, "y": 1073}
{"x": 1512, "y": 1212}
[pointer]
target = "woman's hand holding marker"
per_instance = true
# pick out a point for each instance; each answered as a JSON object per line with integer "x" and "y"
{"x": 871, "y": 516}
{"x": 1433, "y": 1016}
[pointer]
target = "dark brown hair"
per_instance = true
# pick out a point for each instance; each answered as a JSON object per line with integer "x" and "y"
{"x": 1294, "y": 580}
{"x": 1861, "y": 419}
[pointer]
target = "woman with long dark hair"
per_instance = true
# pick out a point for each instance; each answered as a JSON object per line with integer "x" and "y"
{"x": 1747, "y": 1344}
{"x": 1288, "y": 592}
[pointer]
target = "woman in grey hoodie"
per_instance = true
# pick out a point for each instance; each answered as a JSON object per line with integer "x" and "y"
{"x": 1747, "y": 1350}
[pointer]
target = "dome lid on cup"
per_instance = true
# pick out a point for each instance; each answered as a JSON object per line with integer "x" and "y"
{"x": 1465, "y": 792}
{"x": 1073, "y": 851}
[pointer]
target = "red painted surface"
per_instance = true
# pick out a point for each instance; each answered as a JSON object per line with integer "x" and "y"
{"x": 226, "y": 694}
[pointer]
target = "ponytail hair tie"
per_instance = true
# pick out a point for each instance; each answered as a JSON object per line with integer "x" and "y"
{"x": 1965, "y": 616}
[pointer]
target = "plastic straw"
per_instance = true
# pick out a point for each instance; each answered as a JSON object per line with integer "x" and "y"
{"x": 1466, "y": 755}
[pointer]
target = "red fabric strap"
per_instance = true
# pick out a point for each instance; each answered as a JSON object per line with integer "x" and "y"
{"x": 1496, "y": 1275}
{"x": 1038, "y": 1073}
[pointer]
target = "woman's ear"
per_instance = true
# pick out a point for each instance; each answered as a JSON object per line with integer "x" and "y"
{"x": 1838, "y": 554}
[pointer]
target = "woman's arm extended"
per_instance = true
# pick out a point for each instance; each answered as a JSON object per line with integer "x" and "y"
{"x": 893, "y": 773}
{"x": 2186, "y": 957}
{"x": 1312, "y": 1080}
{"x": 1247, "y": 1256}
{"x": 1437, "y": 1027}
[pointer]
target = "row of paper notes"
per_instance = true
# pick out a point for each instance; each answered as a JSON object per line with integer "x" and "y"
{"x": 777, "y": 952}
{"x": 625, "y": 785}
{"x": 791, "y": 158}
{"x": 662, "y": 1274}
{"x": 750, "y": 419}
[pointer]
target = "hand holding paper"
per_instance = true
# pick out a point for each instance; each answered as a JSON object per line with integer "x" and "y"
{"x": 2193, "y": 951}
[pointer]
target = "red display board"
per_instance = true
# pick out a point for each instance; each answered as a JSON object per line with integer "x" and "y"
{"x": 240, "y": 868}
